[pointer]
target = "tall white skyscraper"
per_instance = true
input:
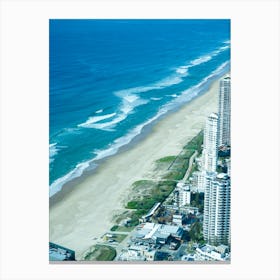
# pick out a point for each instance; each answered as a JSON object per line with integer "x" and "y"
{"x": 210, "y": 144}
{"x": 224, "y": 112}
{"x": 216, "y": 219}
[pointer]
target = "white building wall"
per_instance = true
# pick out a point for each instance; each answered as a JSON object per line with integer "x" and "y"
{"x": 216, "y": 219}
{"x": 184, "y": 197}
{"x": 210, "y": 144}
{"x": 224, "y": 111}
{"x": 201, "y": 181}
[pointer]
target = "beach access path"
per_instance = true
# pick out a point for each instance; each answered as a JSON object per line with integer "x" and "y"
{"x": 187, "y": 174}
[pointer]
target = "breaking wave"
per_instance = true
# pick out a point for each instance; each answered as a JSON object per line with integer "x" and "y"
{"x": 114, "y": 147}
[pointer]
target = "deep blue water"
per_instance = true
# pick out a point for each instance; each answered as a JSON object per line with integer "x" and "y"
{"x": 110, "y": 78}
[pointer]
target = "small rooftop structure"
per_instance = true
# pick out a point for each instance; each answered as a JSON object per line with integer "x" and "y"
{"x": 222, "y": 249}
{"x": 137, "y": 253}
{"x": 158, "y": 233}
{"x": 208, "y": 252}
{"x": 177, "y": 220}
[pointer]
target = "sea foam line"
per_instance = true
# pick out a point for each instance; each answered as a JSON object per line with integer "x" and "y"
{"x": 93, "y": 120}
{"x": 112, "y": 149}
{"x": 53, "y": 150}
{"x": 131, "y": 100}
{"x": 177, "y": 77}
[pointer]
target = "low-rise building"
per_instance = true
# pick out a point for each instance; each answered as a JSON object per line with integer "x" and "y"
{"x": 208, "y": 252}
{"x": 177, "y": 220}
{"x": 157, "y": 233}
{"x": 137, "y": 253}
{"x": 182, "y": 194}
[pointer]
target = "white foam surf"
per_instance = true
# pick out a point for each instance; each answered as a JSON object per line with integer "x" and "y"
{"x": 207, "y": 57}
{"x": 99, "y": 111}
{"x": 177, "y": 77}
{"x": 112, "y": 149}
{"x": 128, "y": 103}
{"x": 131, "y": 99}
{"x": 183, "y": 70}
{"x": 200, "y": 60}
{"x": 172, "y": 95}
{"x": 194, "y": 91}
{"x": 53, "y": 150}
{"x": 95, "y": 119}
{"x": 57, "y": 185}
{"x": 166, "y": 82}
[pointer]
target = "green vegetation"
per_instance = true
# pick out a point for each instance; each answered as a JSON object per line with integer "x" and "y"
{"x": 114, "y": 228}
{"x": 164, "y": 163}
{"x": 175, "y": 175}
{"x": 142, "y": 183}
{"x": 168, "y": 159}
{"x": 196, "y": 233}
{"x": 194, "y": 168}
{"x": 158, "y": 193}
{"x": 220, "y": 169}
{"x": 190, "y": 247}
{"x": 197, "y": 200}
{"x": 100, "y": 253}
{"x": 121, "y": 228}
{"x": 135, "y": 216}
{"x": 196, "y": 143}
{"x": 119, "y": 237}
{"x": 179, "y": 166}
{"x": 145, "y": 204}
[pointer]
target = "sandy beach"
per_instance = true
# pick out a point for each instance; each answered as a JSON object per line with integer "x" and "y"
{"x": 86, "y": 212}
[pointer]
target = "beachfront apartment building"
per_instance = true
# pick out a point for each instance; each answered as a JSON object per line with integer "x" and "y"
{"x": 210, "y": 144}
{"x": 224, "y": 111}
{"x": 216, "y": 218}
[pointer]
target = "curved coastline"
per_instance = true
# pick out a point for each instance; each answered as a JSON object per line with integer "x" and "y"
{"x": 85, "y": 207}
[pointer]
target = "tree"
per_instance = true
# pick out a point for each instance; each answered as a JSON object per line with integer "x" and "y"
{"x": 196, "y": 233}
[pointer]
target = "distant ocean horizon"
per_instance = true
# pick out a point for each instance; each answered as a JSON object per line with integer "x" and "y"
{"x": 109, "y": 79}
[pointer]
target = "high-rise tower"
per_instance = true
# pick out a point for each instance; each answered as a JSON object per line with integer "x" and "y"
{"x": 216, "y": 219}
{"x": 210, "y": 143}
{"x": 224, "y": 112}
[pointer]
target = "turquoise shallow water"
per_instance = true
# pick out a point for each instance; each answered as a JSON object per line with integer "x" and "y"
{"x": 111, "y": 78}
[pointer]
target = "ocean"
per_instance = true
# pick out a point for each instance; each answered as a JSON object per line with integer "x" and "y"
{"x": 109, "y": 79}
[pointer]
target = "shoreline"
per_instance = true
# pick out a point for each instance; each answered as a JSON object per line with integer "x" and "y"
{"x": 93, "y": 164}
{"x": 85, "y": 207}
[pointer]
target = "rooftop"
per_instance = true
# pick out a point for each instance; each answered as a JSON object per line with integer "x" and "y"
{"x": 154, "y": 231}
